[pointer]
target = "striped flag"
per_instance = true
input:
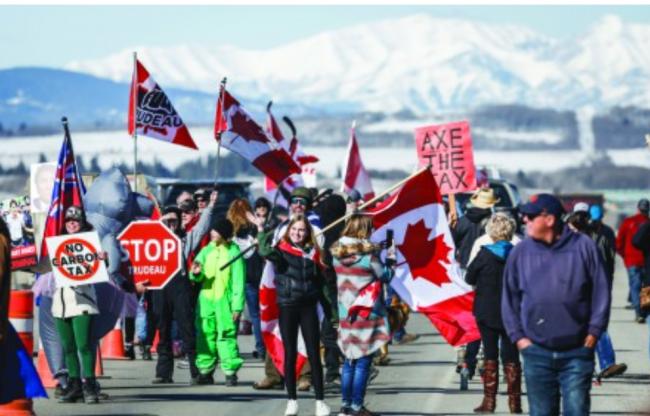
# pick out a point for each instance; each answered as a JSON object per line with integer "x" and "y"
{"x": 68, "y": 190}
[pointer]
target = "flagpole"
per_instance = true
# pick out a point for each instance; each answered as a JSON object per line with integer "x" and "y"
{"x": 222, "y": 90}
{"x": 135, "y": 130}
{"x": 372, "y": 201}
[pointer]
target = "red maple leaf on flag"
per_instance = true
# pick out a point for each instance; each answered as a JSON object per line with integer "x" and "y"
{"x": 425, "y": 257}
{"x": 243, "y": 125}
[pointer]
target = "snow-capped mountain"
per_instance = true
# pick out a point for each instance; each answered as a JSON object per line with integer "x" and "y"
{"x": 417, "y": 63}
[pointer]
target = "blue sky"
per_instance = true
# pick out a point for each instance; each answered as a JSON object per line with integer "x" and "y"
{"x": 55, "y": 35}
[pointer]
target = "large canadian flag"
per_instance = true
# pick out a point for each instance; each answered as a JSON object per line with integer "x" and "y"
{"x": 355, "y": 175}
{"x": 427, "y": 276}
{"x": 292, "y": 147}
{"x": 152, "y": 114}
{"x": 239, "y": 133}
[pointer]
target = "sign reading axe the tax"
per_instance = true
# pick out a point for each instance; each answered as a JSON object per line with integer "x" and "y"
{"x": 448, "y": 149}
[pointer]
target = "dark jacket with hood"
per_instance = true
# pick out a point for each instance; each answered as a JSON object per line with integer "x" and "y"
{"x": 469, "y": 227}
{"x": 298, "y": 274}
{"x": 486, "y": 273}
{"x": 555, "y": 294}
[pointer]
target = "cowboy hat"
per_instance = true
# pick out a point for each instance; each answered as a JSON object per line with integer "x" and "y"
{"x": 484, "y": 198}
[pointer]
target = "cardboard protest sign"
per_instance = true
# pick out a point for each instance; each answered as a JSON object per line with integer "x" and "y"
{"x": 75, "y": 259}
{"x": 16, "y": 213}
{"x": 448, "y": 149}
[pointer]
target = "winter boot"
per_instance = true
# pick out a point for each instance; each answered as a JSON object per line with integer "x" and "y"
{"x": 73, "y": 392}
{"x": 129, "y": 351}
{"x": 513, "y": 378}
{"x": 90, "y": 391}
{"x": 490, "y": 387}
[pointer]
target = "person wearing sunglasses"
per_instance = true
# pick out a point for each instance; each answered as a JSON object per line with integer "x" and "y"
{"x": 555, "y": 305}
{"x": 176, "y": 301}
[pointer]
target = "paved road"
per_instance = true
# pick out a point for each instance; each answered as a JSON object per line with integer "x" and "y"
{"x": 419, "y": 381}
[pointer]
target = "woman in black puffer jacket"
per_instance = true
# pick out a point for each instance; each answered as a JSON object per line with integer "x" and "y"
{"x": 300, "y": 286}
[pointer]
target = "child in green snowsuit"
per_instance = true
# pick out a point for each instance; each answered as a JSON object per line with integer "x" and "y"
{"x": 220, "y": 304}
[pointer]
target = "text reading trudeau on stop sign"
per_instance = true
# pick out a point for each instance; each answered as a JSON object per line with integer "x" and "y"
{"x": 153, "y": 252}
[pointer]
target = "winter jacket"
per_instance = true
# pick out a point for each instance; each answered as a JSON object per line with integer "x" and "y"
{"x": 244, "y": 238}
{"x": 218, "y": 285}
{"x": 363, "y": 317}
{"x": 632, "y": 256}
{"x": 486, "y": 273}
{"x": 641, "y": 240}
{"x": 298, "y": 274}
{"x": 469, "y": 228}
{"x": 605, "y": 240}
{"x": 486, "y": 240}
{"x": 69, "y": 302}
{"x": 555, "y": 294}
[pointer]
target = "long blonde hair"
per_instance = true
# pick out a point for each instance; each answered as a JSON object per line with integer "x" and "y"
{"x": 237, "y": 214}
{"x": 358, "y": 226}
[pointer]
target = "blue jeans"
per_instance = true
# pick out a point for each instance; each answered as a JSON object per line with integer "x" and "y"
{"x": 635, "y": 277}
{"x": 554, "y": 374}
{"x": 605, "y": 352}
{"x": 141, "y": 321}
{"x": 354, "y": 381}
{"x": 253, "y": 303}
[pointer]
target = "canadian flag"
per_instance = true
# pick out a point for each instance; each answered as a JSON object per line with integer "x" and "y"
{"x": 355, "y": 175}
{"x": 292, "y": 147}
{"x": 427, "y": 276}
{"x": 152, "y": 114}
{"x": 239, "y": 133}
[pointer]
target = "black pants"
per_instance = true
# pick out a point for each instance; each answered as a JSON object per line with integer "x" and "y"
{"x": 305, "y": 318}
{"x": 174, "y": 302}
{"x": 490, "y": 338}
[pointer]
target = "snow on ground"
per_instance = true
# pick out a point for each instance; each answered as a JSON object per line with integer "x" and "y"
{"x": 115, "y": 147}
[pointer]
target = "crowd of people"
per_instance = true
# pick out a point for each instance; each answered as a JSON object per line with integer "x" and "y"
{"x": 542, "y": 299}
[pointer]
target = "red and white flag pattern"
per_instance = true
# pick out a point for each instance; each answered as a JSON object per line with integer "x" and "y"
{"x": 427, "y": 276}
{"x": 269, "y": 315}
{"x": 239, "y": 133}
{"x": 292, "y": 147}
{"x": 152, "y": 114}
{"x": 355, "y": 175}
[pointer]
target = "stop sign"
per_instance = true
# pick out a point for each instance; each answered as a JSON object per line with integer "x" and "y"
{"x": 153, "y": 252}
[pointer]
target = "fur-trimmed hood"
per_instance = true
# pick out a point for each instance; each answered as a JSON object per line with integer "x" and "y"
{"x": 347, "y": 247}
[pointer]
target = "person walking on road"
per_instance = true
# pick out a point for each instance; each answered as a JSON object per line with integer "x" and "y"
{"x": 632, "y": 256}
{"x": 362, "y": 332}
{"x": 485, "y": 272}
{"x": 555, "y": 305}
{"x": 581, "y": 222}
{"x": 221, "y": 302}
{"x": 300, "y": 286}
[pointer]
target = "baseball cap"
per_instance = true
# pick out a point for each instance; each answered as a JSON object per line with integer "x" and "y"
{"x": 188, "y": 205}
{"x": 543, "y": 203}
{"x": 581, "y": 207}
{"x": 643, "y": 205}
{"x": 353, "y": 196}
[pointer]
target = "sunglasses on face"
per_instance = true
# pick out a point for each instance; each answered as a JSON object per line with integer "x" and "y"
{"x": 299, "y": 201}
{"x": 170, "y": 222}
{"x": 531, "y": 217}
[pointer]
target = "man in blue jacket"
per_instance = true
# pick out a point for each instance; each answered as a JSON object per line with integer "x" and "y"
{"x": 555, "y": 304}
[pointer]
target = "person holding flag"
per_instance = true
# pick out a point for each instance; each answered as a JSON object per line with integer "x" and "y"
{"x": 299, "y": 284}
{"x": 363, "y": 316}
